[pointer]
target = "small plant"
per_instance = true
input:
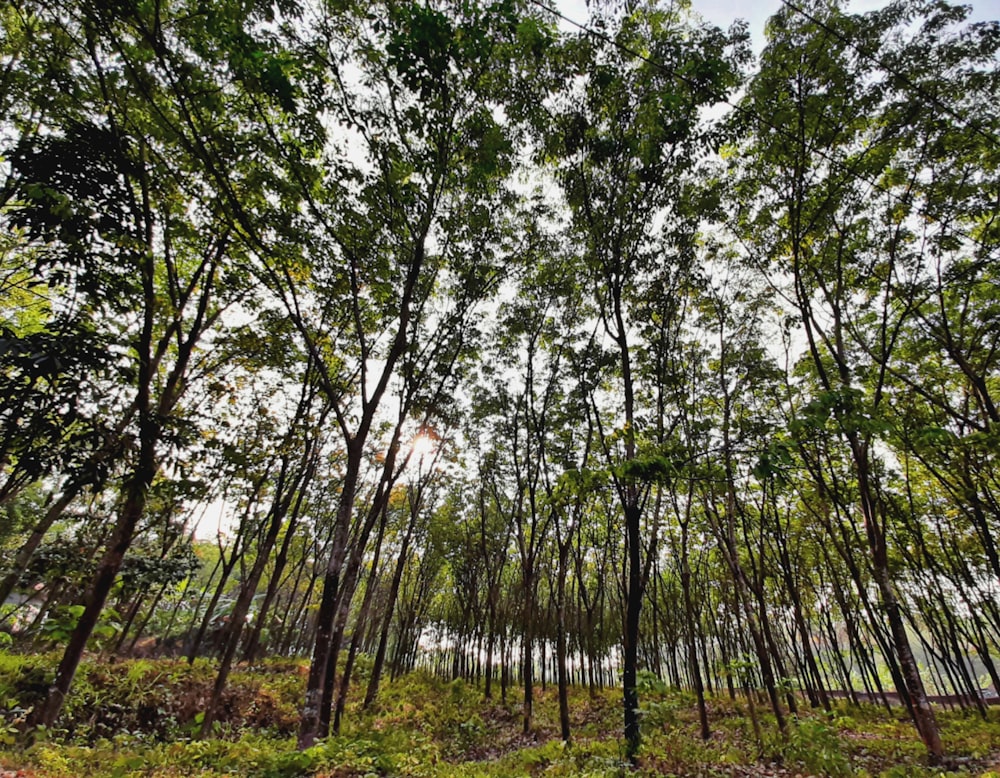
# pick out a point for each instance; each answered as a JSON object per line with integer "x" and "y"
{"x": 194, "y": 726}
{"x": 471, "y": 731}
{"x": 648, "y": 682}
{"x": 59, "y": 626}
{"x": 817, "y": 747}
{"x": 660, "y": 714}
{"x": 61, "y": 622}
{"x": 288, "y": 764}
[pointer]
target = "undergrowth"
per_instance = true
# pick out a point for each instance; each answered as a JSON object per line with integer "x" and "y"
{"x": 141, "y": 717}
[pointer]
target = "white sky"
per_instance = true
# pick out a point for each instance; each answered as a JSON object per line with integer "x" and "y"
{"x": 724, "y": 12}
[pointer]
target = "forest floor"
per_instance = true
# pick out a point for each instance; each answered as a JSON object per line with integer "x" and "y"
{"x": 140, "y": 718}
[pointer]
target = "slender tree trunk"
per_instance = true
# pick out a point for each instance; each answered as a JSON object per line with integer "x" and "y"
{"x": 241, "y": 608}
{"x": 133, "y": 611}
{"x": 630, "y": 644}
{"x": 527, "y": 646}
{"x": 345, "y": 679}
{"x": 913, "y": 688}
{"x": 692, "y": 649}
{"x": 280, "y": 562}
{"x": 561, "y": 648}
{"x": 157, "y": 599}
{"x": 390, "y": 606}
{"x": 363, "y": 618}
{"x": 504, "y": 668}
{"x": 309, "y": 727}
{"x": 491, "y": 641}
{"x": 100, "y": 586}
{"x": 296, "y": 605}
{"x": 812, "y": 669}
{"x": 206, "y": 619}
{"x": 34, "y": 540}
{"x": 189, "y": 632}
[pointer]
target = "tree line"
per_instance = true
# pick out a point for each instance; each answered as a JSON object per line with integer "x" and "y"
{"x": 523, "y": 354}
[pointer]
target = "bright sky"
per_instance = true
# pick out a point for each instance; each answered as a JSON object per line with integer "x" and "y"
{"x": 723, "y": 12}
{"x": 756, "y": 12}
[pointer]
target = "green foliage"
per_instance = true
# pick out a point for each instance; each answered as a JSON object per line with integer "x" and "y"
{"x": 143, "y": 571}
{"x": 24, "y": 682}
{"x": 658, "y": 709}
{"x": 155, "y": 700}
{"x": 61, "y": 622}
{"x": 420, "y": 47}
{"x": 816, "y": 746}
{"x": 424, "y": 727}
{"x": 18, "y": 514}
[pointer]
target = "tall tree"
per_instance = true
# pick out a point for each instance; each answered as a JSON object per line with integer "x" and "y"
{"x": 622, "y": 147}
{"x": 134, "y": 235}
{"x": 839, "y": 115}
{"x": 407, "y": 238}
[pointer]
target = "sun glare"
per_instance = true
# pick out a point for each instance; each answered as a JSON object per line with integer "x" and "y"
{"x": 423, "y": 445}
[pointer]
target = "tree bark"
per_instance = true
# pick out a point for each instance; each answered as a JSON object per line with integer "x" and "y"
{"x": 309, "y": 726}
{"x": 100, "y": 586}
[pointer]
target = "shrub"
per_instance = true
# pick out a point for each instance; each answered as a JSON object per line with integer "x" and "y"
{"x": 816, "y": 746}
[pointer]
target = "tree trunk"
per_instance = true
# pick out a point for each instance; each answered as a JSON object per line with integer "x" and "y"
{"x": 362, "y": 621}
{"x": 527, "y": 644}
{"x": 630, "y": 644}
{"x": 241, "y": 608}
{"x": 281, "y": 560}
{"x": 309, "y": 727}
{"x": 563, "y": 681}
{"x": 100, "y": 586}
{"x": 24, "y": 554}
{"x": 913, "y": 689}
{"x": 390, "y": 606}
{"x": 692, "y": 649}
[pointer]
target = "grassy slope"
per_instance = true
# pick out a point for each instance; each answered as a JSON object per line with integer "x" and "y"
{"x": 137, "y": 718}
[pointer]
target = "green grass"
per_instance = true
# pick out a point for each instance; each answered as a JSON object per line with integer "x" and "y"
{"x": 138, "y": 718}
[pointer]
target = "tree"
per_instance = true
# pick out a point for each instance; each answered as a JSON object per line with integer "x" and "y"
{"x": 621, "y": 149}
{"x": 128, "y": 238}
{"x": 840, "y": 113}
{"x": 403, "y": 251}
